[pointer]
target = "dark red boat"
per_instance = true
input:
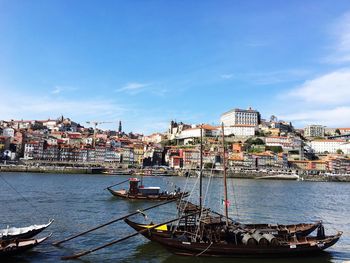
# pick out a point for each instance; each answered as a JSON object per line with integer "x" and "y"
{"x": 210, "y": 240}
{"x": 137, "y": 192}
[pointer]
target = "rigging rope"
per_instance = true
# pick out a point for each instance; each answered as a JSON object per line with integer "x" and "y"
{"x": 24, "y": 198}
{"x": 184, "y": 208}
{"x": 235, "y": 199}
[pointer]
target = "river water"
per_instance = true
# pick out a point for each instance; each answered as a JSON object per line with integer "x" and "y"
{"x": 79, "y": 202}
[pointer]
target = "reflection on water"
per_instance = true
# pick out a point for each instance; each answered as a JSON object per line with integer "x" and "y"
{"x": 78, "y": 202}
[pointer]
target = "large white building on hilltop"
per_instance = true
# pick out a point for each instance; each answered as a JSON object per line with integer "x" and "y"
{"x": 239, "y": 130}
{"x": 323, "y": 146}
{"x": 314, "y": 131}
{"x": 240, "y": 117}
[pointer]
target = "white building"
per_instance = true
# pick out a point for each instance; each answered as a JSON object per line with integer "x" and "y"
{"x": 154, "y": 138}
{"x": 330, "y": 146}
{"x": 283, "y": 141}
{"x": 195, "y": 132}
{"x": 239, "y": 130}
{"x": 240, "y": 117}
{"x": 8, "y": 132}
{"x": 314, "y": 131}
{"x": 345, "y": 147}
{"x": 50, "y": 124}
{"x": 30, "y": 150}
{"x": 344, "y": 131}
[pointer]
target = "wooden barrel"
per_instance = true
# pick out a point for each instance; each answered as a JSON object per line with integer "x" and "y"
{"x": 261, "y": 240}
{"x": 249, "y": 240}
{"x": 272, "y": 239}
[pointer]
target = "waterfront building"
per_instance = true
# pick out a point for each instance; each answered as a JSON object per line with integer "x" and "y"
{"x": 175, "y": 162}
{"x": 326, "y": 146}
{"x": 2, "y": 143}
{"x": 314, "y": 131}
{"x": 112, "y": 156}
{"x": 138, "y": 153}
{"x": 309, "y": 165}
{"x": 240, "y": 117}
{"x": 100, "y": 154}
{"x": 191, "y": 158}
{"x": 31, "y": 150}
{"x": 339, "y": 165}
{"x": 8, "y": 132}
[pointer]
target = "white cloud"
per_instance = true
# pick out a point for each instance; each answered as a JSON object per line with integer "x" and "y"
{"x": 226, "y": 76}
{"x": 340, "y": 49}
{"x": 274, "y": 77}
{"x": 41, "y": 107}
{"x": 133, "y": 87}
{"x": 57, "y": 90}
{"x": 331, "y": 88}
{"x": 335, "y": 117}
{"x": 61, "y": 89}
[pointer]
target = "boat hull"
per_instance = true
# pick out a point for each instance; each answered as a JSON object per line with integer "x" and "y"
{"x": 231, "y": 250}
{"x": 180, "y": 244}
{"x": 158, "y": 197}
{"x": 12, "y": 248}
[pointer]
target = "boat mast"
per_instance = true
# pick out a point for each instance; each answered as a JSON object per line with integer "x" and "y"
{"x": 200, "y": 172}
{"x": 225, "y": 176}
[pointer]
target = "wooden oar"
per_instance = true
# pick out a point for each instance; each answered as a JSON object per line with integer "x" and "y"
{"x": 116, "y": 184}
{"x": 83, "y": 253}
{"x": 111, "y": 222}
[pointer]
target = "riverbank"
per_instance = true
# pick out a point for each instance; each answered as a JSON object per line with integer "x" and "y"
{"x": 259, "y": 174}
{"x": 248, "y": 174}
{"x": 50, "y": 169}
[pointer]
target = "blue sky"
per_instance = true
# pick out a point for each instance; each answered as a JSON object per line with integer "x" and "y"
{"x": 148, "y": 62}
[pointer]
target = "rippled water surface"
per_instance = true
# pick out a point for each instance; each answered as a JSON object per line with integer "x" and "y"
{"x": 79, "y": 202}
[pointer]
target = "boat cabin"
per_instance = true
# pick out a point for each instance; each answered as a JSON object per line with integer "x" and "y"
{"x": 149, "y": 190}
{"x": 136, "y": 189}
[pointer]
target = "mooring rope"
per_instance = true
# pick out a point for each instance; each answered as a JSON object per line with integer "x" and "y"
{"x": 24, "y": 198}
{"x": 197, "y": 255}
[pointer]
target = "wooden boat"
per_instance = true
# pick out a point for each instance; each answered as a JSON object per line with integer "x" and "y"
{"x": 117, "y": 172}
{"x": 17, "y": 246}
{"x": 22, "y": 232}
{"x": 239, "y": 244}
{"x": 137, "y": 192}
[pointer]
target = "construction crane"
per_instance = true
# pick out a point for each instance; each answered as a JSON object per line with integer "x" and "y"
{"x": 95, "y": 123}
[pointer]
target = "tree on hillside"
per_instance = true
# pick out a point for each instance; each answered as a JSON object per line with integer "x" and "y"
{"x": 339, "y": 151}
